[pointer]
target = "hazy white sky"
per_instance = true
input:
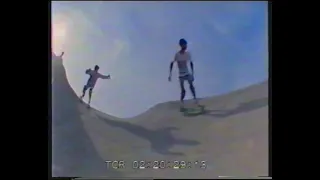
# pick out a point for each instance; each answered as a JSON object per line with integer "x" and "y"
{"x": 135, "y": 42}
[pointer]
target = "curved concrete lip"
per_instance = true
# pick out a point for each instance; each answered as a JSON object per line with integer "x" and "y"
{"x": 229, "y": 139}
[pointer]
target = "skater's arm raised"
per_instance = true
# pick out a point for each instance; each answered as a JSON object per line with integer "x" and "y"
{"x": 104, "y": 77}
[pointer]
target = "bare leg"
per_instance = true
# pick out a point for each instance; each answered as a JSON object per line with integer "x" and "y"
{"x": 183, "y": 91}
{"x": 193, "y": 91}
{"x": 90, "y": 94}
{"x": 83, "y": 91}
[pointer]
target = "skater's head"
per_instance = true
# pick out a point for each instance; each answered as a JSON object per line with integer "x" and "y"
{"x": 96, "y": 67}
{"x": 183, "y": 44}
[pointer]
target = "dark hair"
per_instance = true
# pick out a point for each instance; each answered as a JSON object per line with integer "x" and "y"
{"x": 182, "y": 42}
{"x": 96, "y": 67}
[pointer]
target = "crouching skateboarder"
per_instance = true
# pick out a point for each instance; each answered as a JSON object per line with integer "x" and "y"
{"x": 182, "y": 58}
{"x": 94, "y": 76}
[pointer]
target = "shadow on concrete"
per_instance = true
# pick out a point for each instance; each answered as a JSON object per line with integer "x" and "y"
{"x": 243, "y": 107}
{"x": 161, "y": 140}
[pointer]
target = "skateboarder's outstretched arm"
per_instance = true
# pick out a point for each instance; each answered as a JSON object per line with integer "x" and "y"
{"x": 104, "y": 77}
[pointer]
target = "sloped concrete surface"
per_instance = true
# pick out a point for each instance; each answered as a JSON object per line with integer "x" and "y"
{"x": 229, "y": 139}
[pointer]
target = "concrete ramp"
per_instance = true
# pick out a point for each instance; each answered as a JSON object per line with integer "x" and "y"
{"x": 230, "y": 138}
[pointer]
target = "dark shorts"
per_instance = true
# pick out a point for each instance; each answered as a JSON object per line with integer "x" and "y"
{"x": 89, "y": 86}
{"x": 187, "y": 77}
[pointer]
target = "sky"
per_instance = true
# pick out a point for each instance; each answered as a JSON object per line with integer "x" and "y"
{"x": 135, "y": 42}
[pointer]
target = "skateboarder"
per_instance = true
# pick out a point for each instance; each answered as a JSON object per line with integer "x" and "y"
{"x": 94, "y": 76}
{"x": 182, "y": 58}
